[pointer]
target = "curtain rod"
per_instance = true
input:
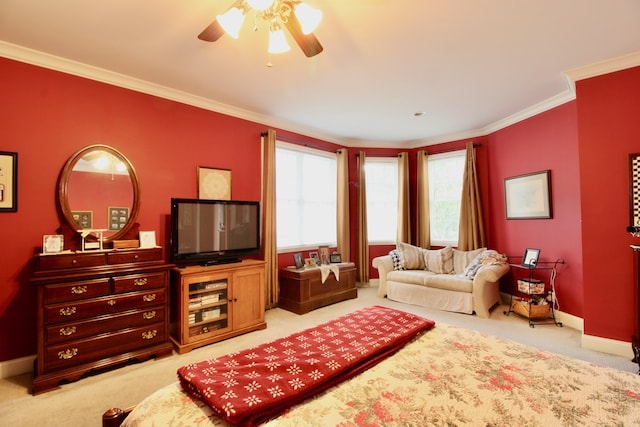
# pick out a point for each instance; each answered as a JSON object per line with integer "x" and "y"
{"x": 378, "y": 155}
{"x": 301, "y": 142}
{"x": 447, "y": 150}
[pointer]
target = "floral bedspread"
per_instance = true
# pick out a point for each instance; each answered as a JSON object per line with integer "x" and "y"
{"x": 448, "y": 376}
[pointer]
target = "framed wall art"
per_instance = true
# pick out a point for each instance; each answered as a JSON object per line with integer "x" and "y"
{"x": 8, "y": 181}
{"x": 528, "y": 196}
{"x": 83, "y": 218}
{"x": 634, "y": 190}
{"x": 117, "y": 218}
{"x": 214, "y": 184}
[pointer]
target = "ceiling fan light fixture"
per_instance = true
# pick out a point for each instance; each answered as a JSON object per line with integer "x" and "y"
{"x": 260, "y": 4}
{"x": 277, "y": 41}
{"x": 231, "y": 21}
{"x": 309, "y": 17}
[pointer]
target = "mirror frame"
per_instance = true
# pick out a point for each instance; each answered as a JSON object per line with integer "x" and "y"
{"x": 63, "y": 189}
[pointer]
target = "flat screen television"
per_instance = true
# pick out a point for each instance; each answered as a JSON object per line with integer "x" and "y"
{"x": 208, "y": 232}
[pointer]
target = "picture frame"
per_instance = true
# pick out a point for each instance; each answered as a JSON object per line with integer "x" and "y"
{"x": 214, "y": 183}
{"x": 8, "y": 181}
{"x": 335, "y": 258}
{"x": 147, "y": 239}
{"x": 530, "y": 257}
{"x": 634, "y": 189}
{"x": 314, "y": 255}
{"x": 310, "y": 263}
{"x": 117, "y": 217}
{"x": 52, "y": 243}
{"x": 323, "y": 252}
{"x": 297, "y": 259}
{"x": 528, "y": 196}
{"x": 84, "y": 219}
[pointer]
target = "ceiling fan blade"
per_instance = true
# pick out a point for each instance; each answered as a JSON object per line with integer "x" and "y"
{"x": 307, "y": 42}
{"x": 212, "y": 33}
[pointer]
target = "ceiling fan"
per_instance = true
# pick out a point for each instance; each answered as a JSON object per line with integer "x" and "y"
{"x": 299, "y": 18}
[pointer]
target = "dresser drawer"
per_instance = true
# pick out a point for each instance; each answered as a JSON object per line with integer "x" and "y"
{"x": 103, "y": 346}
{"x": 72, "y": 331}
{"x": 76, "y": 290}
{"x": 139, "y": 282}
{"x": 136, "y": 255}
{"x": 75, "y": 310}
{"x": 74, "y": 260}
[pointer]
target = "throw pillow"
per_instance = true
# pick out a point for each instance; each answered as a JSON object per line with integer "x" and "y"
{"x": 412, "y": 256}
{"x": 396, "y": 257}
{"x": 439, "y": 261}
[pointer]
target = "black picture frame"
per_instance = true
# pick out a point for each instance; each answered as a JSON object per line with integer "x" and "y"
{"x": 335, "y": 258}
{"x": 530, "y": 257}
{"x": 634, "y": 189}
{"x": 8, "y": 181}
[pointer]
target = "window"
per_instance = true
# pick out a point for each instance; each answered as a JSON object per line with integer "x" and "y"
{"x": 445, "y": 191}
{"x": 306, "y": 196}
{"x": 381, "y": 175}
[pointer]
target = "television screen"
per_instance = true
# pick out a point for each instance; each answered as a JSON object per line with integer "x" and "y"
{"x": 213, "y": 231}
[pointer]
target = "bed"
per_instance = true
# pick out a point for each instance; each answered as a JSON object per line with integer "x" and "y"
{"x": 443, "y": 375}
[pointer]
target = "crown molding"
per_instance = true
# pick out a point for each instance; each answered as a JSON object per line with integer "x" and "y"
{"x": 604, "y": 67}
{"x": 67, "y": 66}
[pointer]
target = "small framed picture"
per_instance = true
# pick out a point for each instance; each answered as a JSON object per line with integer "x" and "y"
{"x": 530, "y": 257}
{"x": 315, "y": 257}
{"x": 117, "y": 218}
{"x": 83, "y": 218}
{"x": 147, "y": 239}
{"x": 297, "y": 258}
{"x": 214, "y": 184}
{"x": 52, "y": 243}
{"x": 324, "y": 254}
{"x": 8, "y": 181}
{"x": 310, "y": 263}
{"x": 335, "y": 258}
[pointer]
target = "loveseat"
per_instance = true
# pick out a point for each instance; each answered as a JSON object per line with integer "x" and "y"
{"x": 446, "y": 279}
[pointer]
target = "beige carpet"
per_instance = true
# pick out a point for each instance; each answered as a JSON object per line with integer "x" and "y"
{"x": 82, "y": 403}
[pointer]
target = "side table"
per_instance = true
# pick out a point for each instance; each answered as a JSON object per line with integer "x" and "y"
{"x": 302, "y": 290}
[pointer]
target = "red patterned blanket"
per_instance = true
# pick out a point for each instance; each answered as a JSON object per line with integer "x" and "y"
{"x": 251, "y": 386}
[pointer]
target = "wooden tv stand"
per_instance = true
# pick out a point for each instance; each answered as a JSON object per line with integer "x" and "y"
{"x": 302, "y": 290}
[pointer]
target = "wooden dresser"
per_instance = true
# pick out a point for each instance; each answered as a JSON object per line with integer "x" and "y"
{"x": 99, "y": 309}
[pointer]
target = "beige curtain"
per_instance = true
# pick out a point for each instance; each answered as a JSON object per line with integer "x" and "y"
{"x": 342, "y": 221}
{"x": 471, "y": 235}
{"x": 362, "y": 264}
{"x": 404, "y": 215}
{"x": 269, "y": 244}
{"x": 423, "y": 226}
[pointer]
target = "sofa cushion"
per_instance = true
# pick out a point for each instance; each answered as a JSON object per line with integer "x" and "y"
{"x": 414, "y": 277}
{"x": 439, "y": 261}
{"x": 449, "y": 282}
{"x": 461, "y": 259}
{"x": 396, "y": 257}
{"x": 411, "y": 255}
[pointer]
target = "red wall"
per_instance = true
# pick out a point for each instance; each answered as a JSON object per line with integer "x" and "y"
{"x": 47, "y": 116}
{"x": 609, "y": 129}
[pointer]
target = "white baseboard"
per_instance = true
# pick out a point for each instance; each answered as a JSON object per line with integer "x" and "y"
{"x": 11, "y": 368}
{"x": 607, "y": 345}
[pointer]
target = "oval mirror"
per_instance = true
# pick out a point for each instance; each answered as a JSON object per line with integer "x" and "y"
{"x": 99, "y": 190}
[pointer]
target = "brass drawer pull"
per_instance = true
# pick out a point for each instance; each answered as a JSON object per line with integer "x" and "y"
{"x": 67, "y": 311}
{"x": 140, "y": 282}
{"x": 69, "y": 330}
{"x": 148, "y": 315}
{"x": 149, "y": 334}
{"x": 67, "y": 354}
{"x": 111, "y": 302}
{"x": 148, "y": 297}
{"x": 78, "y": 290}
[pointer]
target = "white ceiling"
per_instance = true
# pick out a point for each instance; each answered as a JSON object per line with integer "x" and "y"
{"x": 470, "y": 65}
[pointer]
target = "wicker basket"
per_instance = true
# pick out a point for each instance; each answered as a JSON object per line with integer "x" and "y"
{"x": 532, "y": 311}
